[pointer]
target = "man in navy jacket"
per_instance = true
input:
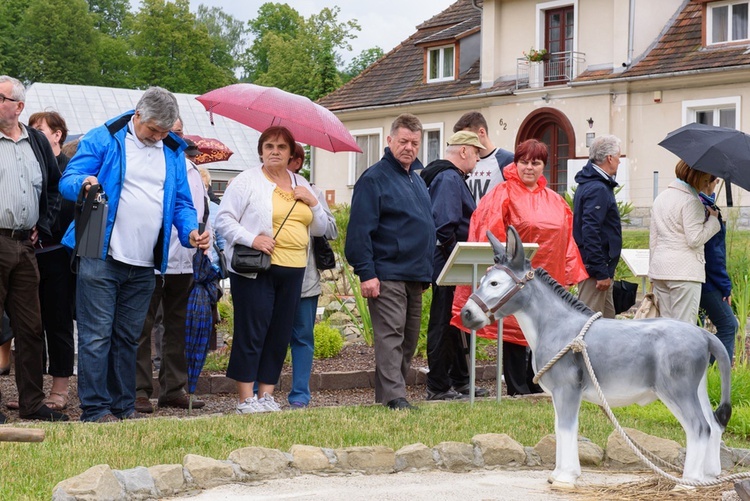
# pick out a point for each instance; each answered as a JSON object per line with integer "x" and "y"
{"x": 389, "y": 242}
{"x": 596, "y": 224}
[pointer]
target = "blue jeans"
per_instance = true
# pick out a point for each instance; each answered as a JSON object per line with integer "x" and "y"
{"x": 303, "y": 346}
{"x": 112, "y": 301}
{"x": 722, "y": 317}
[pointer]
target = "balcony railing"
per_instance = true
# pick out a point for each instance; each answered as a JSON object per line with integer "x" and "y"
{"x": 560, "y": 68}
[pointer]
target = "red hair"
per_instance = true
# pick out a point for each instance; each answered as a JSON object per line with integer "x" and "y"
{"x": 531, "y": 149}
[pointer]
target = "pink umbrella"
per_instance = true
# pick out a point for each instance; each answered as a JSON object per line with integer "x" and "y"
{"x": 261, "y": 107}
{"x": 211, "y": 150}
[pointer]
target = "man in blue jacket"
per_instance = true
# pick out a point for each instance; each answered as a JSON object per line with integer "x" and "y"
{"x": 141, "y": 167}
{"x": 596, "y": 224}
{"x": 389, "y": 242}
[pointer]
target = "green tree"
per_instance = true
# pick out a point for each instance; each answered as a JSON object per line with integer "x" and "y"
{"x": 297, "y": 54}
{"x": 173, "y": 51}
{"x": 114, "y": 23}
{"x": 59, "y": 43}
{"x": 111, "y": 17}
{"x": 279, "y": 20}
{"x": 360, "y": 63}
{"x": 228, "y": 34}
{"x": 11, "y": 13}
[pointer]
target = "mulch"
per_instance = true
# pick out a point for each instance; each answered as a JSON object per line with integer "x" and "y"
{"x": 353, "y": 357}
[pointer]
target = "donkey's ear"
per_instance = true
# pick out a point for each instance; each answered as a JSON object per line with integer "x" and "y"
{"x": 514, "y": 249}
{"x": 497, "y": 246}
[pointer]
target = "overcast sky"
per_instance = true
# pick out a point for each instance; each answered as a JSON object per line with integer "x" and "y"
{"x": 384, "y": 23}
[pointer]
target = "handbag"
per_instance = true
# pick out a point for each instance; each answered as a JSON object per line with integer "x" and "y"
{"x": 649, "y": 307}
{"x": 325, "y": 259}
{"x": 623, "y": 295}
{"x": 249, "y": 260}
{"x": 90, "y": 216}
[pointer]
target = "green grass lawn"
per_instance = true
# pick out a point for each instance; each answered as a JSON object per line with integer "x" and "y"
{"x": 31, "y": 470}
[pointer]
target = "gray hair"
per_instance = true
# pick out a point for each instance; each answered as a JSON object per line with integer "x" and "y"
{"x": 603, "y": 146}
{"x": 160, "y": 106}
{"x": 19, "y": 91}
{"x": 406, "y": 121}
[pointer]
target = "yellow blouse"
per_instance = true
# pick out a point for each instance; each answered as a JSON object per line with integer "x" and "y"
{"x": 292, "y": 241}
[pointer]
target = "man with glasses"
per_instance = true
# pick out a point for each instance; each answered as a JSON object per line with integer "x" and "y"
{"x": 29, "y": 201}
{"x": 141, "y": 168}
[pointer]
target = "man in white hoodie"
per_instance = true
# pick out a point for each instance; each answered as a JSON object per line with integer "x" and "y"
{"x": 172, "y": 291}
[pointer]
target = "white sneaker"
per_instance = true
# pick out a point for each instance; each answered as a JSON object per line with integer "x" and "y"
{"x": 268, "y": 403}
{"x": 251, "y": 405}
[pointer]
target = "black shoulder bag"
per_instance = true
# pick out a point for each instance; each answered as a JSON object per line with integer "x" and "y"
{"x": 249, "y": 260}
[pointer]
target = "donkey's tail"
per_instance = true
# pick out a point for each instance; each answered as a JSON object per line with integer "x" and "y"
{"x": 716, "y": 348}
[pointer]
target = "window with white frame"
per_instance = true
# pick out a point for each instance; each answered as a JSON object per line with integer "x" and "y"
{"x": 432, "y": 139}
{"x": 441, "y": 63}
{"x": 722, "y": 112}
{"x": 369, "y": 141}
{"x": 727, "y": 22}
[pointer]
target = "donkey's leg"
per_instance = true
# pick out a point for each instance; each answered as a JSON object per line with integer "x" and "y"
{"x": 688, "y": 411}
{"x": 712, "y": 463}
{"x": 567, "y": 402}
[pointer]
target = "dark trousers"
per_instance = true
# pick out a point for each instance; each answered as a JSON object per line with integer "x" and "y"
{"x": 57, "y": 298}
{"x": 172, "y": 292}
{"x": 396, "y": 315}
{"x": 722, "y": 317}
{"x": 19, "y": 297}
{"x": 263, "y": 319}
{"x": 446, "y": 355}
{"x": 518, "y": 371}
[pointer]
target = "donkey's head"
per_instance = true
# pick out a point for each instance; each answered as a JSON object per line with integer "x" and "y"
{"x": 494, "y": 297}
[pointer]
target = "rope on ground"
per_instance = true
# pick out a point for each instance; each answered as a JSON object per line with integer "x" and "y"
{"x": 578, "y": 345}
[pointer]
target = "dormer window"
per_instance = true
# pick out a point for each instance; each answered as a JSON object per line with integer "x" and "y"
{"x": 441, "y": 63}
{"x": 727, "y": 22}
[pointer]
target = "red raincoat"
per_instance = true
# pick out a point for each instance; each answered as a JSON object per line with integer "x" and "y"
{"x": 540, "y": 216}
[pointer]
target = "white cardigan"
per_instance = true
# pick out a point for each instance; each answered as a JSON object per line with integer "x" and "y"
{"x": 246, "y": 211}
{"x": 678, "y": 231}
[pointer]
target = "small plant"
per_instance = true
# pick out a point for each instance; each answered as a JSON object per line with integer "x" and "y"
{"x": 218, "y": 360}
{"x": 328, "y": 340}
{"x": 534, "y": 55}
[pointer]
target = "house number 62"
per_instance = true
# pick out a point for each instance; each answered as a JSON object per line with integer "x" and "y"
{"x": 503, "y": 124}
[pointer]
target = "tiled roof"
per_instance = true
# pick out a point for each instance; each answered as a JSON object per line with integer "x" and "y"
{"x": 398, "y": 77}
{"x": 681, "y": 49}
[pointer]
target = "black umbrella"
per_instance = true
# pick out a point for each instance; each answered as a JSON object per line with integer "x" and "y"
{"x": 720, "y": 151}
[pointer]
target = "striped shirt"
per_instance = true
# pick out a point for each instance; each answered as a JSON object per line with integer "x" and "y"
{"x": 20, "y": 183}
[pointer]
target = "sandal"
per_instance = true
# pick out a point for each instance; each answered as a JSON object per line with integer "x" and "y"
{"x": 57, "y": 401}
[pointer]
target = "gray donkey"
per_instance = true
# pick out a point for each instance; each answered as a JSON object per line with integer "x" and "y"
{"x": 635, "y": 361}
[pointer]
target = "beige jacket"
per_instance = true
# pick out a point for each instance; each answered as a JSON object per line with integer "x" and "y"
{"x": 678, "y": 231}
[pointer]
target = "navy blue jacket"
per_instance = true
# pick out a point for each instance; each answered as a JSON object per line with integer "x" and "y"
{"x": 391, "y": 234}
{"x": 452, "y": 207}
{"x": 597, "y": 229}
{"x": 717, "y": 278}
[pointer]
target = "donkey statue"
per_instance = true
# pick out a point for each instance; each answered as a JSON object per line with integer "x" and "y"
{"x": 635, "y": 361}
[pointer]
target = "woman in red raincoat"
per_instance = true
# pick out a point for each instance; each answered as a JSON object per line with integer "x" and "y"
{"x": 541, "y": 216}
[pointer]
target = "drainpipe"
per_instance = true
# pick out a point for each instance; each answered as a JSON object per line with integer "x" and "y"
{"x": 481, "y": 21}
{"x": 631, "y": 29}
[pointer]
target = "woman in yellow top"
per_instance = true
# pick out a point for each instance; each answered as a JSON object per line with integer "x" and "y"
{"x": 258, "y": 205}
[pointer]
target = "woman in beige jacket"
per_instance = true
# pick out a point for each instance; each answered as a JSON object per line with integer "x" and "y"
{"x": 680, "y": 226}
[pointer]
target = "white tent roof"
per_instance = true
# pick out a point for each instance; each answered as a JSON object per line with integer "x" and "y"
{"x": 84, "y": 108}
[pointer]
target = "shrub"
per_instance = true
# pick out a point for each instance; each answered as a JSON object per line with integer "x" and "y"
{"x": 328, "y": 340}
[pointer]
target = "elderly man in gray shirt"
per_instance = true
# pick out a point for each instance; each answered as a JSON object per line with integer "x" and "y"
{"x": 28, "y": 202}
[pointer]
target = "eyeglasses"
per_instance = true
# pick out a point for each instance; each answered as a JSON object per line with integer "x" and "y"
{"x": 3, "y": 99}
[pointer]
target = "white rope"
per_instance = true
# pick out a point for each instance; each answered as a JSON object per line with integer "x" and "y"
{"x": 579, "y": 346}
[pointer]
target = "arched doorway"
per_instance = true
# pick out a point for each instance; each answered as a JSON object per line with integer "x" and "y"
{"x": 553, "y": 128}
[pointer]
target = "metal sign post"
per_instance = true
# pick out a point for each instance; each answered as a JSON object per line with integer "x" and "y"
{"x": 462, "y": 268}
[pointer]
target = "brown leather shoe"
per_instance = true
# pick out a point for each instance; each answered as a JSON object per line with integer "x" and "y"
{"x": 182, "y": 402}
{"x": 142, "y": 404}
{"x": 107, "y": 418}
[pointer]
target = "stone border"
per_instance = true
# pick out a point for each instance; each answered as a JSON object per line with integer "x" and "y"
{"x": 325, "y": 380}
{"x": 252, "y": 464}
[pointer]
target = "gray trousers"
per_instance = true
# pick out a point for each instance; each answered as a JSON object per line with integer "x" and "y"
{"x": 595, "y": 299}
{"x": 396, "y": 314}
{"x": 678, "y": 299}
